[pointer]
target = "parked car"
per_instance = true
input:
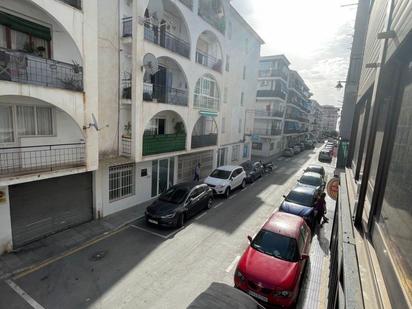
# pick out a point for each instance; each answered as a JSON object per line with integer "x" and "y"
{"x": 254, "y": 170}
{"x": 271, "y": 268}
{"x": 302, "y": 146}
{"x": 313, "y": 180}
{"x": 226, "y": 178}
{"x": 223, "y": 296}
{"x": 288, "y": 152}
{"x": 309, "y": 144}
{"x": 180, "y": 202}
{"x": 300, "y": 202}
{"x": 316, "y": 169}
{"x": 325, "y": 155}
{"x": 296, "y": 149}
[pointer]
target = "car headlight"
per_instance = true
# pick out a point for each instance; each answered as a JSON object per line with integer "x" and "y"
{"x": 239, "y": 275}
{"x": 169, "y": 216}
{"x": 282, "y": 294}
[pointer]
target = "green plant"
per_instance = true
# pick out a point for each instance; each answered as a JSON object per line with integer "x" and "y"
{"x": 128, "y": 129}
{"x": 179, "y": 128}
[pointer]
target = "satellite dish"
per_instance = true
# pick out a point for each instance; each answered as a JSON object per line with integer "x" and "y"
{"x": 150, "y": 64}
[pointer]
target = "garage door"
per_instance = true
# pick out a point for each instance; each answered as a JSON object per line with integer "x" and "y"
{"x": 41, "y": 208}
{"x": 187, "y": 164}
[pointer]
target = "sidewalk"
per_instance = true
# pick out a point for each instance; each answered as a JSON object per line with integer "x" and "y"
{"x": 60, "y": 243}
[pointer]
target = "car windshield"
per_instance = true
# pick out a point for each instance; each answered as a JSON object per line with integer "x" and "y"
{"x": 221, "y": 174}
{"x": 247, "y": 166}
{"x": 310, "y": 180}
{"x": 300, "y": 198}
{"x": 174, "y": 195}
{"x": 276, "y": 245}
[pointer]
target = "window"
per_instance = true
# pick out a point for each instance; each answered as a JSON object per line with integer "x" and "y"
{"x": 223, "y": 124}
{"x": 241, "y": 98}
{"x": 225, "y": 94}
{"x": 257, "y": 146}
{"x": 34, "y": 120}
{"x": 244, "y": 72}
{"x": 207, "y": 93}
{"x": 6, "y": 124}
{"x": 246, "y": 150}
{"x": 3, "y": 42}
{"x": 121, "y": 181}
{"x": 240, "y": 126}
{"x": 227, "y": 63}
{"x": 272, "y": 146}
{"x": 235, "y": 152}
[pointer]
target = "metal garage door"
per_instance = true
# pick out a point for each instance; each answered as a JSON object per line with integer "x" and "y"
{"x": 187, "y": 164}
{"x": 41, "y": 208}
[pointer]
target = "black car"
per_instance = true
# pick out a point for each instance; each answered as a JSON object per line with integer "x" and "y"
{"x": 313, "y": 180}
{"x": 316, "y": 169}
{"x": 179, "y": 203}
{"x": 253, "y": 170}
{"x": 300, "y": 202}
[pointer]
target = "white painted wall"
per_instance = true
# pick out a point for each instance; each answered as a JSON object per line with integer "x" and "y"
{"x": 5, "y": 222}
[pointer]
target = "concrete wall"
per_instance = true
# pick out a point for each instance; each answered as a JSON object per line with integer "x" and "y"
{"x": 5, "y": 222}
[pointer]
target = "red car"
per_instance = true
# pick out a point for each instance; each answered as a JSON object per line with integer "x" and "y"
{"x": 271, "y": 268}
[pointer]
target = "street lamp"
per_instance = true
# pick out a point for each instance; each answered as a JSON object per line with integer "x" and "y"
{"x": 339, "y": 85}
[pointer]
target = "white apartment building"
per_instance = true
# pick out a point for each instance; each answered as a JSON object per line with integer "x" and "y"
{"x": 48, "y": 98}
{"x": 194, "y": 109}
{"x": 330, "y": 115}
{"x": 315, "y": 118}
{"x": 281, "y": 109}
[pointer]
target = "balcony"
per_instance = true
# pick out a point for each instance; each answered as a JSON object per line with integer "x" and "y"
{"x": 206, "y": 140}
{"x": 273, "y": 73}
{"x": 126, "y": 88}
{"x": 267, "y": 132}
{"x": 126, "y": 145}
{"x": 166, "y": 40}
{"x": 271, "y": 94}
{"x": 206, "y": 103}
{"x": 127, "y": 27}
{"x": 25, "y": 68}
{"x": 209, "y": 61}
{"x": 15, "y": 161}
{"x": 156, "y": 144}
{"x": 74, "y": 3}
{"x": 268, "y": 114}
{"x": 294, "y": 130}
{"x": 213, "y": 14}
{"x": 163, "y": 94}
{"x": 298, "y": 118}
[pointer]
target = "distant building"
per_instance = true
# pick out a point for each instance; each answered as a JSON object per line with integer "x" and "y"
{"x": 315, "y": 118}
{"x": 330, "y": 115}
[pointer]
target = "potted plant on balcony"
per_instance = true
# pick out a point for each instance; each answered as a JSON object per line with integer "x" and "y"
{"x": 179, "y": 128}
{"x": 127, "y": 130}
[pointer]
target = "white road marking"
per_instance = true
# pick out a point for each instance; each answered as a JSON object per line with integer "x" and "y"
{"x": 229, "y": 268}
{"x": 243, "y": 189}
{"x": 203, "y": 214}
{"x": 218, "y": 205}
{"x": 24, "y": 295}
{"x": 157, "y": 234}
{"x": 232, "y": 196}
{"x": 281, "y": 158}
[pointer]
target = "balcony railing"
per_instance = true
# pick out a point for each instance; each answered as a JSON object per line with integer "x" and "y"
{"x": 267, "y": 132}
{"x": 163, "y": 94}
{"x": 209, "y": 61}
{"x": 166, "y": 40}
{"x": 188, "y": 3}
{"x": 127, "y": 88}
{"x": 127, "y": 26}
{"x": 271, "y": 94}
{"x": 155, "y": 144}
{"x": 211, "y": 17}
{"x": 298, "y": 118}
{"x": 294, "y": 130}
{"x": 126, "y": 150}
{"x": 206, "y": 140}
{"x": 74, "y": 3}
{"x": 34, "y": 159}
{"x": 208, "y": 103}
{"x": 273, "y": 73}
{"x": 25, "y": 68}
{"x": 263, "y": 113}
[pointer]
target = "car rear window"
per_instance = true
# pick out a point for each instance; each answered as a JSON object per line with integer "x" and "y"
{"x": 300, "y": 198}
{"x": 221, "y": 174}
{"x": 310, "y": 180}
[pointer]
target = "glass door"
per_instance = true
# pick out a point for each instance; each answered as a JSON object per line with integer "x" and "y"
{"x": 162, "y": 175}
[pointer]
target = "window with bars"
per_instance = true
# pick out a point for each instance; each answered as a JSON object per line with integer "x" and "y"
{"x": 235, "y": 153}
{"x": 121, "y": 181}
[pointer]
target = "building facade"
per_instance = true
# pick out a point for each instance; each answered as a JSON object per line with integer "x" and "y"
{"x": 315, "y": 119}
{"x": 330, "y": 116}
{"x": 376, "y": 186}
{"x": 281, "y": 109}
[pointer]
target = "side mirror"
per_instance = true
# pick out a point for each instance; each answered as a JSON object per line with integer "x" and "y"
{"x": 249, "y": 238}
{"x": 304, "y": 256}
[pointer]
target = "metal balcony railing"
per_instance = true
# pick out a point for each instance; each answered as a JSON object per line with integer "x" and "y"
{"x": 127, "y": 88}
{"x": 167, "y": 40}
{"x": 205, "y": 140}
{"x": 263, "y": 113}
{"x": 298, "y": 118}
{"x": 126, "y": 149}
{"x": 20, "y": 67}
{"x": 271, "y": 94}
{"x": 273, "y": 73}
{"x": 163, "y": 94}
{"x": 268, "y": 132}
{"x": 209, "y": 61}
{"x": 212, "y": 17}
{"x": 34, "y": 159}
{"x": 127, "y": 27}
{"x": 156, "y": 144}
{"x": 208, "y": 103}
{"x": 294, "y": 130}
{"x": 74, "y": 3}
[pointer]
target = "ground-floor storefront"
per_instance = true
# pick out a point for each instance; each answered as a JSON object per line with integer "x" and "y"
{"x": 267, "y": 147}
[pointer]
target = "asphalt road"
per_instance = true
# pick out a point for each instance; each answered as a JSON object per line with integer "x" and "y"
{"x": 142, "y": 267}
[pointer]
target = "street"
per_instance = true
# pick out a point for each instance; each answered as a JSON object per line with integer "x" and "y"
{"x": 149, "y": 267}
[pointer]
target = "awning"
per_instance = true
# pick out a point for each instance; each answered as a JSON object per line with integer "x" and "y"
{"x": 23, "y": 25}
{"x": 208, "y": 113}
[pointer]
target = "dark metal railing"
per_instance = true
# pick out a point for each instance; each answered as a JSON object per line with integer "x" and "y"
{"x": 126, "y": 146}
{"x": 205, "y": 140}
{"x": 271, "y": 94}
{"x": 209, "y": 61}
{"x": 268, "y": 132}
{"x": 188, "y": 3}
{"x": 296, "y": 117}
{"x": 165, "y": 39}
{"x": 208, "y": 103}
{"x": 127, "y": 88}
{"x": 20, "y": 67}
{"x": 127, "y": 26}
{"x": 33, "y": 159}
{"x": 263, "y": 113}
{"x": 74, "y": 3}
{"x": 163, "y": 94}
{"x": 273, "y": 73}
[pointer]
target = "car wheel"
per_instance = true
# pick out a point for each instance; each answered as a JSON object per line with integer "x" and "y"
{"x": 181, "y": 221}
{"x": 243, "y": 184}
{"x": 209, "y": 203}
{"x": 227, "y": 192}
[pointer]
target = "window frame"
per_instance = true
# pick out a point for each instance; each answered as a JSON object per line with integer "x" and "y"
{"x": 120, "y": 169}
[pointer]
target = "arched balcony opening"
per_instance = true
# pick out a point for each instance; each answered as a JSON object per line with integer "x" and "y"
{"x": 165, "y": 132}
{"x": 168, "y": 85}
{"x": 207, "y": 94}
{"x": 165, "y": 26}
{"x": 209, "y": 52}
{"x": 204, "y": 132}
{"x": 212, "y": 12}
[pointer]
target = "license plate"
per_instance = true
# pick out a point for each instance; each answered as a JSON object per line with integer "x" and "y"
{"x": 258, "y": 296}
{"x": 153, "y": 221}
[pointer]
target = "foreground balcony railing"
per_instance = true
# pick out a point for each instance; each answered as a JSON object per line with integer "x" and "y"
{"x": 271, "y": 94}
{"x": 263, "y": 113}
{"x": 16, "y": 161}
{"x": 126, "y": 145}
{"x": 167, "y": 40}
{"x": 25, "y": 68}
{"x": 156, "y": 144}
{"x": 209, "y": 61}
{"x": 273, "y": 73}
{"x": 268, "y": 132}
{"x": 74, "y": 3}
{"x": 127, "y": 26}
{"x": 205, "y": 140}
{"x": 208, "y": 103}
{"x": 299, "y": 118}
{"x": 163, "y": 94}
{"x": 292, "y": 131}
{"x": 127, "y": 88}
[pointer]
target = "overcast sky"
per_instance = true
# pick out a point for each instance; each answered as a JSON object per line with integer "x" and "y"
{"x": 315, "y": 35}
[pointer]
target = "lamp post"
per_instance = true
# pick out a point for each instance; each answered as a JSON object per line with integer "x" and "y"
{"x": 339, "y": 86}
